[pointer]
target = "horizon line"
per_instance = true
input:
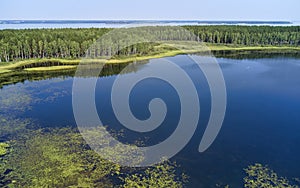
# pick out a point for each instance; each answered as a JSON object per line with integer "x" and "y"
{"x": 227, "y": 20}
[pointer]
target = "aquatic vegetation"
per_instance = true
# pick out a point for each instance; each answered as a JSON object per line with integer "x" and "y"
{"x": 58, "y": 158}
{"x": 3, "y": 148}
{"x": 261, "y": 176}
{"x": 14, "y": 99}
{"x": 17, "y": 76}
{"x": 61, "y": 158}
{"x": 48, "y": 92}
{"x": 21, "y": 97}
{"x": 11, "y": 127}
{"x": 101, "y": 142}
{"x": 161, "y": 175}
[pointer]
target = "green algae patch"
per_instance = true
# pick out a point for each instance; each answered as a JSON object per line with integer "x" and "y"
{"x": 261, "y": 176}
{"x": 13, "y": 128}
{"x": 102, "y": 142}
{"x": 61, "y": 158}
{"x": 15, "y": 99}
{"x": 161, "y": 175}
{"x": 4, "y": 151}
{"x": 3, "y": 148}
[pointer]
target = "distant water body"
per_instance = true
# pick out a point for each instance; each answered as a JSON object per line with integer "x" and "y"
{"x": 31, "y": 24}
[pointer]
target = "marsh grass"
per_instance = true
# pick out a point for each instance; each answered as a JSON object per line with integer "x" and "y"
{"x": 51, "y": 68}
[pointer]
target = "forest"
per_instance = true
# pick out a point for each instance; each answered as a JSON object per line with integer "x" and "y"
{"x": 74, "y": 43}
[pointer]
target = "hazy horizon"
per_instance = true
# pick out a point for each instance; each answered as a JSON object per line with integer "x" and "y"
{"x": 164, "y": 19}
{"x": 214, "y": 10}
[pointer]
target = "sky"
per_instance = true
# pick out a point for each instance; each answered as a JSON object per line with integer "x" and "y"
{"x": 287, "y": 10}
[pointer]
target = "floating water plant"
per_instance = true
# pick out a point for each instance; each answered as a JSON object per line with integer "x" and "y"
{"x": 61, "y": 158}
{"x": 261, "y": 176}
{"x": 161, "y": 175}
{"x": 3, "y": 148}
{"x": 14, "y": 99}
{"x": 11, "y": 127}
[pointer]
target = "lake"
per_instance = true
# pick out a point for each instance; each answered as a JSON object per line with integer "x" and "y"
{"x": 38, "y": 24}
{"x": 261, "y": 125}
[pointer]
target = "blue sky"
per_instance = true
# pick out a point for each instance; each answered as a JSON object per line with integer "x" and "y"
{"x": 151, "y": 9}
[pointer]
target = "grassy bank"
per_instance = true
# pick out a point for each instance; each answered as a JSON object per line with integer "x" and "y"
{"x": 253, "y": 48}
{"x": 163, "y": 50}
{"x": 51, "y": 68}
{"x": 4, "y": 71}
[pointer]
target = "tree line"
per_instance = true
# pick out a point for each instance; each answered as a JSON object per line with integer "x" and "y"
{"x": 74, "y": 43}
{"x": 248, "y": 35}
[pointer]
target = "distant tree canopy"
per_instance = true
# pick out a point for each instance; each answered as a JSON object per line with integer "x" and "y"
{"x": 73, "y": 43}
{"x": 248, "y": 35}
{"x": 40, "y": 43}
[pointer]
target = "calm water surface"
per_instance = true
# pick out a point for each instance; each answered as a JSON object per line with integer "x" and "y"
{"x": 38, "y": 24}
{"x": 262, "y": 122}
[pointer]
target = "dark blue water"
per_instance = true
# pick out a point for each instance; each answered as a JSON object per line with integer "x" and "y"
{"x": 262, "y": 122}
